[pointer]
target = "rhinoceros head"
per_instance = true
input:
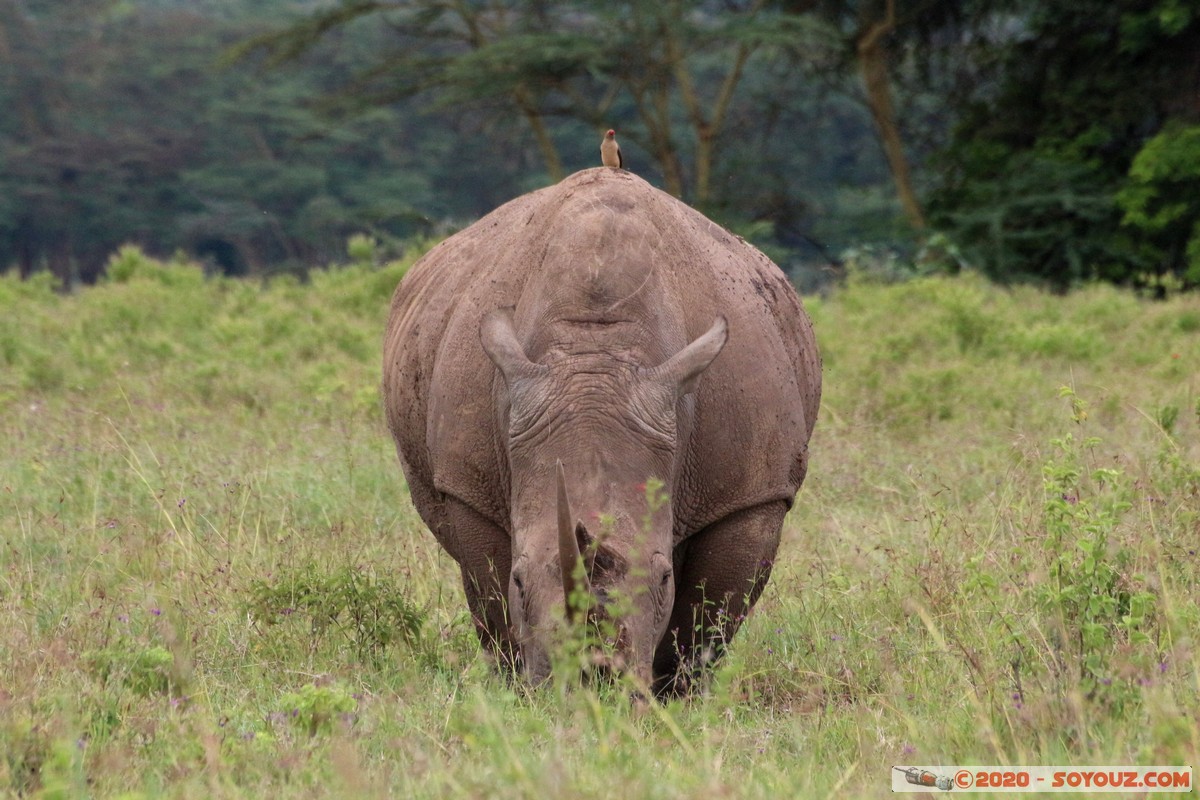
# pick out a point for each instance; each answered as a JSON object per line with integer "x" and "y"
{"x": 586, "y": 431}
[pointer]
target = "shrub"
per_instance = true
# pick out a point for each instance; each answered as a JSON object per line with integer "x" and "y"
{"x": 146, "y": 670}
{"x": 370, "y": 612}
{"x": 1092, "y": 598}
{"x": 315, "y": 708}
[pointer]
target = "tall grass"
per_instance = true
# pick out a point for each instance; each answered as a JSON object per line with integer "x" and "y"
{"x": 213, "y": 584}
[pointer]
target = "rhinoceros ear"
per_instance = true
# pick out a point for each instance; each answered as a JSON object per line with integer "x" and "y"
{"x": 683, "y": 369}
{"x": 500, "y": 343}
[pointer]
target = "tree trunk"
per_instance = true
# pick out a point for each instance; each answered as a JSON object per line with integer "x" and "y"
{"x": 706, "y": 128}
{"x": 872, "y": 60}
{"x": 537, "y": 124}
{"x": 656, "y": 118}
{"x": 704, "y": 156}
{"x": 668, "y": 154}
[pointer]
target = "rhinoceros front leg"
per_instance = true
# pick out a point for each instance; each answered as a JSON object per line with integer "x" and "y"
{"x": 484, "y": 555}
{"x": 718, "y": 580}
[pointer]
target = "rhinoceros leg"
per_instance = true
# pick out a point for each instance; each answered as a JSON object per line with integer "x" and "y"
{"x": 722, "y": 572}
{"x": 484, "y": 555}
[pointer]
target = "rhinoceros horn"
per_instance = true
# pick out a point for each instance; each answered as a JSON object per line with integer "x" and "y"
{"x": 569, "y": 535}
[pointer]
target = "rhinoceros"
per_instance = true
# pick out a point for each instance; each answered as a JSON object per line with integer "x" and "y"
{"x": 550, "y": 365}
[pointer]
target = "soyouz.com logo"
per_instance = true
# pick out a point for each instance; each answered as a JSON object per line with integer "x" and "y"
{"x": 1042, "y": 779}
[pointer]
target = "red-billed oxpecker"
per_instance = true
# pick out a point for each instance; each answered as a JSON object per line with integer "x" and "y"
{"x": 610, "y": 151}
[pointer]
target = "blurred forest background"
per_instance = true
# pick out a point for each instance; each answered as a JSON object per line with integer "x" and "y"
{"x": 1046, "y": 140}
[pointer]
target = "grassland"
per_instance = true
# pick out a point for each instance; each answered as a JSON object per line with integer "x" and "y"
{"x": 213, "y": 584}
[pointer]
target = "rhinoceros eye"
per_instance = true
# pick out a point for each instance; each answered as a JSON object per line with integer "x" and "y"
{"x": 659, "y": 592}
{"x": 519, "y": 583}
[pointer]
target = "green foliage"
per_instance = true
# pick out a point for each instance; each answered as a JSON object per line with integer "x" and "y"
{"x": 1036, "y": 215}
{"x": 1166, "y": 417}
{"x": 130, "y": 262}
{"x": 656, "y": 498}
{"x": 39, "y": 766}
{"x": 127, "y": 262}
{"x": 370, "y": 612}
{"x": 362, "y": 249}
{"x": 257, "y": 326}
{"x": 145, "y": 670}
{"x": 1097, "y": 603}
{"x": 239, "y": 171}
{"x": 26, "y": 749}
{"x": 1055, "y": 139}
{"x": 379, "y": 122}
{"x": 62, "y": 776}
{"x": 1162, "y": 198}
{"x": 1068, "y": 129}
{"x": 315, "y": 709}
{"x": 528, "y": 63}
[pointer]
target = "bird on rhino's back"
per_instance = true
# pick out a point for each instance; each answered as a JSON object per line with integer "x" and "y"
{"x": 610, "y": 151}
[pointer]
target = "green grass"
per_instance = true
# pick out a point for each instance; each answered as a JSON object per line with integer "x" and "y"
{"x": 213, "y": 584}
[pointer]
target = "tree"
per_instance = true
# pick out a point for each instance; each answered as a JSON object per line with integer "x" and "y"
{"x": 577, "y": 60}
{"x": 502, "y": 55}
{"x": 674, "y": 56}
{"x": 1161, "y": 200}
{"x": 875, "y": 36}
{"x": 125, "y": 130}
{"x": 873, "y": 61}
{"x": 782, "y": 120}
{"x": 1066, "y": 97}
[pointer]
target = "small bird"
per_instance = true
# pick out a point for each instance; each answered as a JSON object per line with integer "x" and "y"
{"x": 610, "y": 151}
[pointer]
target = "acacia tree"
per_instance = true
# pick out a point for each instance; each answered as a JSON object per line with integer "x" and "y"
{"x": 874, "y": 27}
{"x": 70, "y": 168}
{"x": 583, "y": 60}
{"x": 681, "y": 64}
{"x": 503, "y": 55}
{"x": 883, "y": 41}
{"x": 122, "y": 130}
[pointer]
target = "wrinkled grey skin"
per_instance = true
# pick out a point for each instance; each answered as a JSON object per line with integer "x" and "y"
{"x": 602, "y": 325}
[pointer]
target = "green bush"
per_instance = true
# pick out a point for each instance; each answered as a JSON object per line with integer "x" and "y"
{"x": 144, "y": 669}
{"x": 1162, "y": 198}
{"x": 369, "y": 611}
{"x": 1097, "y": 604}
{"x": 315, "y": 709}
